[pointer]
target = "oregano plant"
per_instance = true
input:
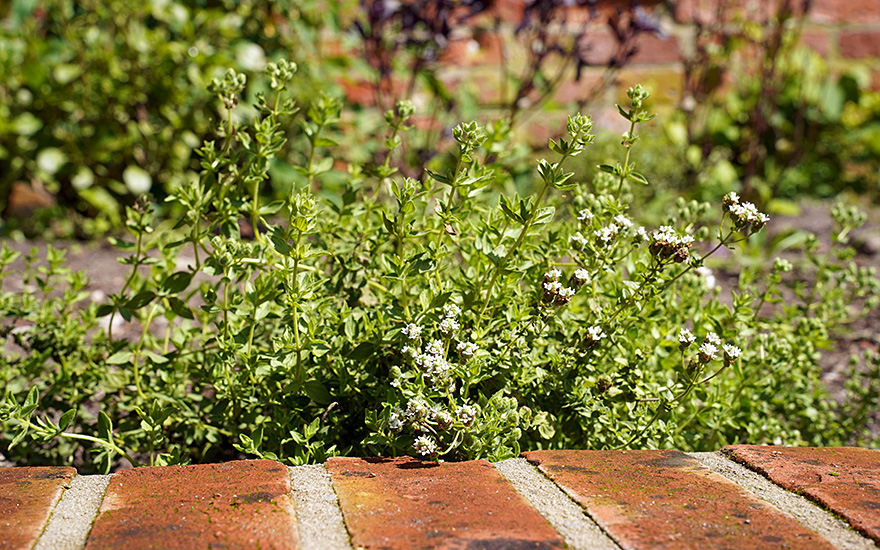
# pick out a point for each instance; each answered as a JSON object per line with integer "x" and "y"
{"x": 440, "y": 316}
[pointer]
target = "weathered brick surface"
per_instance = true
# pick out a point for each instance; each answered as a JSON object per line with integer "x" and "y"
{"x": 407, "y": 504}
{"x": 27, "y": 497}
{"x": 666, "y": 499}
{"x": 845, "y": 11}
{"x": 242, "y": 504}
{"x": 844, "y": 479}
{"x": 859, "y": 44}
{"x": 818, "y": 40}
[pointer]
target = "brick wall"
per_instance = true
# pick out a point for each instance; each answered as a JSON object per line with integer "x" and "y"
{"x": 845, "y": 33}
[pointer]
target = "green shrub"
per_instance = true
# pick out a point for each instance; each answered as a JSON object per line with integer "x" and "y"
{"x": 435, "y": 317}
{"x": 104, "y": 100}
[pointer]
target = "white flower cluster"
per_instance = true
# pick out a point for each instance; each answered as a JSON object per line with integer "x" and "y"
{"x": 467, "y": 349}
{"x": 712, "y": 345}
{"x": 585, "y": 216}
{"x": 412, "y": 331}
{"x": 744, "y": 213}
{"x": 686, "y": 337}
{"x": 594, "y": 334}
{"x": 425, "y": 445}
{"x": 466, "y": 414}
{"x": 623, "y": 221}
{"x": 578, "y": 241}
{"x": 666, "y": 234}
{"x": 449, "y": 323}
{"x": 554, "y": 293}
{"x": 731, "y": 352}
{"x": 606, "y": 234}
{"x": 581, "y": 276}
{"x": 667, "y": 243}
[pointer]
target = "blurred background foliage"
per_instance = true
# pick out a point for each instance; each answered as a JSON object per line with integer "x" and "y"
{"x": 103, "y": 100}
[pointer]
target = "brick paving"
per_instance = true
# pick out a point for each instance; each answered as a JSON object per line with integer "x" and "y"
{"x": 657, "y": 499}
{"x": 846, "y": 480}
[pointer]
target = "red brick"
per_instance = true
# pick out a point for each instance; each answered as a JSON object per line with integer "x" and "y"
{"x": 242, "y": 504}
{"x": 875, "y": 80}
{"x": 590, "y": 87}
{"x": 707, "y": 11}
{"x": 859, "y": 44}
{"x": 483, "y": 49}
{"x": 844, "y": 479}
{"x": 407, "y": 504}
{"x": 27, "y": 498}
{"x": 845, "y": 11}
{"x": 665, "y": 84}
{"x": 666, "y": 499}
{"x": 817, "y": 40}
{"x": 599, "y": 46}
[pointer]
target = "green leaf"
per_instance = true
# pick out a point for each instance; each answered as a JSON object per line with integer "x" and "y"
{"x": 105, "y": 426}
{"x": 177, "y": 282}
{"x": 609, "y": 169}
{"x": 623, "y": 112}
{"x": 180, "y": 308}
{"x": 635, "y": 176}
{"x": 19, "y": 436}
{"x": 105, "y": 310}
{"x": 317, "y": 392}
{"x": 119, "y": 358}
{"x": 507, "y": 208}
{"x": 439, "y": 177}
{"x": 140, "y": 300}
{"x": 271, "y": 208}
{"x": 66, "y": 419}
{"x": 544, "y": 215}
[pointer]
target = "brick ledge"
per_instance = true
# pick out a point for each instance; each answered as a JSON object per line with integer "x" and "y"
{"x": 741, "y": 497}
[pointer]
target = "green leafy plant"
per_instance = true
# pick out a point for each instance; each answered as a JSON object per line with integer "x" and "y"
{"x": 437, "y": 316}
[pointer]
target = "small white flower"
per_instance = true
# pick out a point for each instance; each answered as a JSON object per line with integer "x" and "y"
{"x": 566, "y": 292}
{"x": 435, "y": 348}
{"x": 553, "y": 274}
{"x": 412, "y": 331}
{"x": 467, "y": 349}
{"x": 585, "y": 216}
{"x": 713, "y": 339}
{"x": 595, "y": 333}
{"x": 552, "y": 286}
{"x": 395, "y": 422}
{"x": 623, "y": 221}
{"x": 642, "y": 234}
{"x": 448, "y": 325}
{"x": 686, "y": 337}
{"x": 581, "y": 275}
{"x": 451, "y": 310}
{"x": 466, "y": 414}
{"x": 416, "y": 408}
{"x": 439, "y": 415}
{"x": 708, "y": 276}
{"x": 607, "y": 233}
{"x": 424, "y": 445}
{"x": 708, "y": 351}
{"x": 731, "y": 352}
{"x": 732, "y": 198}
{"x": 578, "y": 240}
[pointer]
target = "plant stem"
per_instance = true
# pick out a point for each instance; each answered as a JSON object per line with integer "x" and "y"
{"x": 519, "y": 240}
{"x": 625, "y": 169}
